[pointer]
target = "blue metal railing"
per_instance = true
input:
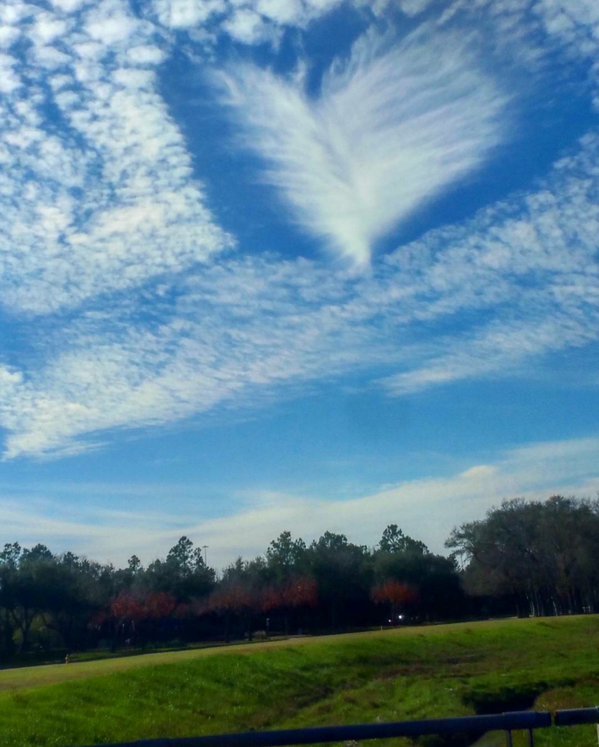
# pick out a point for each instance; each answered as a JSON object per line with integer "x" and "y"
{"x": 577, "y": 716}
{"x": 472, "y": 725}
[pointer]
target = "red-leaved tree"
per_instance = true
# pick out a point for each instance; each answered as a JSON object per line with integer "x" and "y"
{"x": 400, "y": 597}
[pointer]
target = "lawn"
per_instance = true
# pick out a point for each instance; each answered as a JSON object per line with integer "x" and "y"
{"x": 427, "y": 672}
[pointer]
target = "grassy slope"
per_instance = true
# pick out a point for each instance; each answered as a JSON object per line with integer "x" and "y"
{"x": 394, "y": 675}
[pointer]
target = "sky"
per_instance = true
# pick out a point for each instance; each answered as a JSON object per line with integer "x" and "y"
{"x": 300, "y": 265}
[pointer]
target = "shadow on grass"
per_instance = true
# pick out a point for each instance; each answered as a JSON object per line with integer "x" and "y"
{"x": 504, "y": 699}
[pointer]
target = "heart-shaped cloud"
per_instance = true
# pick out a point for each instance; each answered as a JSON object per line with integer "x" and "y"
{"x": 391, "y": 127}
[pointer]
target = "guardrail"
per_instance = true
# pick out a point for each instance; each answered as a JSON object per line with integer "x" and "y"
{"x": 577, "y": 716}
{"x": 473, "y": 726}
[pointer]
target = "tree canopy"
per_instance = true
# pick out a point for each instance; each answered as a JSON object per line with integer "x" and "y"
{"x": 529, "y": 557}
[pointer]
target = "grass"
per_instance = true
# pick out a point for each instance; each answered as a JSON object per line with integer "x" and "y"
{"x": 388, "y": 676}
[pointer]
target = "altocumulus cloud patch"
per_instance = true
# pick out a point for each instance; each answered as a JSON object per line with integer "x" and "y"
{"x": 96, "y": 190}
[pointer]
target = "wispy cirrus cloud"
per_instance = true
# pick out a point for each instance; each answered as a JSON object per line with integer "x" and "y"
{"x": 533, "y": 472}
{"x": 536, "y": 472}
{"x": 391, "y": 127}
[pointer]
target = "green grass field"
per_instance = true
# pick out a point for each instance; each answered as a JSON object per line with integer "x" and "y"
{"x": 431, "y": 672}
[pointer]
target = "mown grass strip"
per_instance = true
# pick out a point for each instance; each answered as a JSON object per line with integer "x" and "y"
{"x": 434, "y": 672}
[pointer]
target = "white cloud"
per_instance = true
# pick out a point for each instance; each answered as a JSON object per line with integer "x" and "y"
{"x": 247, "y": 22}
{"x": 248, "y": 27}
{"x": 144, "y": 216}
{"x": 520, "y": 279}
{"x": 427, "y": 509}
{"x": 68, "y": 6}
{"x": 500, "y": 349}
{"x": 549, "y": 245}
{"x": 180, "y": 14}
{"x": 97, "y": 211}
{"x": 145, "y": 55}
{"x": 14, "y": 12}
{"x": 110, "y": 28}
{"x": 47, "y": 28}
{"x": 414, "y": 7}
{"x": 392, "y": 128}
{"x": 574, "y": 24}
{"x": 283, "y": 12}
{"x": 8, "y": 35}
{"x": 569, "y": 18}
{"x": 9, "y": 80}
{"x": 532, "y": 31}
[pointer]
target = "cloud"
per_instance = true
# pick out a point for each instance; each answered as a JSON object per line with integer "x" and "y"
{"x": 518, "y": 282}
{"x": 535, "y": 472}
{"x": 392, "y": 127}
{"x": 502, "y": 349}
{"x": 543, "y": 244}
{"x": 249, "y": 27}
{"x": 531, "y": 32}
{"x": 68, "y": 6}
{"x": 143, "y": 319}
{"x": 97, "y": 190}
{"x": 251, "y": 22}
{"x": 414, "y": 7}
{"x": 180, "y": 14}
{"x": 576, "y": 26}
{"x": 245, "y": 22}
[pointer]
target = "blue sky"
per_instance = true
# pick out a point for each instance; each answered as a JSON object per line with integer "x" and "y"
{"x": 293, "y": 264}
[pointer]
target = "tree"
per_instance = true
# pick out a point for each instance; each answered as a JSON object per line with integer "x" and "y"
{"x": 400, "y": 598}
{"x": 181, "y": 556}
{"x": 28, "y": 588}
{"x": 9, "y": 562}
{"x": 432, "y": 579}
{"x": 286, "y": 557}
{"x": 80, "y": 589}
{"x": 395, "y": 541}
{"x": 342, "y": 574}
{"x": 286, "y": 598}
{"x": 183, "y": 574}
{"x": 238, "y": 596}
{"x": 538, "y": 555}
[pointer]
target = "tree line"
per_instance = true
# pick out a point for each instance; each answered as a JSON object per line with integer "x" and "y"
{"x": 524, "y": 557}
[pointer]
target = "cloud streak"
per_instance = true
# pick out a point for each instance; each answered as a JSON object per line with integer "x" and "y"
{"x": 535, "y": 471}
